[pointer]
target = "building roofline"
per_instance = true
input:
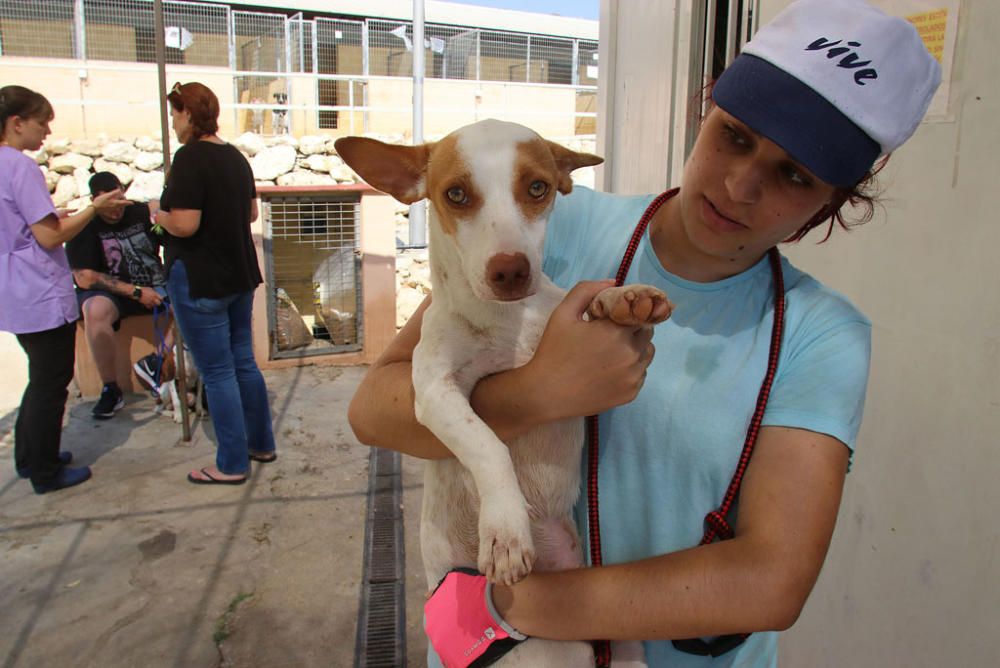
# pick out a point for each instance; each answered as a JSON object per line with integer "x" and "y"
{"x": 437, "y": 11}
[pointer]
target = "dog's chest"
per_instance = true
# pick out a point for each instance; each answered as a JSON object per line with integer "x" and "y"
{"x": 469, "y": 326}
{"x": 511, "y": 344}
{"x": 476, "y": 348}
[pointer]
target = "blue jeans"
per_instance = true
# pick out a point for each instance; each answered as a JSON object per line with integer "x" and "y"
{"x": 217, "y": 331}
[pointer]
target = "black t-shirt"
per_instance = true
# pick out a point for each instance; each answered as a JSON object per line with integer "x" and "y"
{"x": 127, "y": 250}
{"x": 220, "y": 257}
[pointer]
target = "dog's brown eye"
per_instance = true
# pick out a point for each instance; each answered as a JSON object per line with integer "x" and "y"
{"x": 537, "y": 189}
{"x": 457, "y": 195}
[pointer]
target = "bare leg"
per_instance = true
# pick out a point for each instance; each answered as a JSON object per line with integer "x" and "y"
{"x": 99, "y": 314}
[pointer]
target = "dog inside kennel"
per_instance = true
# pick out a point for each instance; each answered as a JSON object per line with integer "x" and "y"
{"x": 313, "y": 265}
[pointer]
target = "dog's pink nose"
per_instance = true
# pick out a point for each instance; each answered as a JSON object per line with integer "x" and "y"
{"x": 508, "y": 275}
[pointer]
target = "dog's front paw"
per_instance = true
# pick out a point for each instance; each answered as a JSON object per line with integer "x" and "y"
{"x": 632, "y": 305}
{"x": 506, "y": 550}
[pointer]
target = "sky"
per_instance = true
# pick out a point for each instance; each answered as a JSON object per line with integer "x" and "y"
{"x": 584, "y": 9}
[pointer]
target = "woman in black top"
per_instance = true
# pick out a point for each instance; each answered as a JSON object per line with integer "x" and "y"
{"x": 207, "y": 206}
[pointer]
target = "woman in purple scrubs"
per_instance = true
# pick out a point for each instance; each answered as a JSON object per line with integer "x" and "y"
{"x": 37, "y": 302}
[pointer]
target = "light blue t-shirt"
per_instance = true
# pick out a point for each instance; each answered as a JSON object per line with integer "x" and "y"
{"x": 667, "y": 458}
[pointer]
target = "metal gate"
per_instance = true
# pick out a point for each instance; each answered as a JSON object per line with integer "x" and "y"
{"x": 313, "y": 265}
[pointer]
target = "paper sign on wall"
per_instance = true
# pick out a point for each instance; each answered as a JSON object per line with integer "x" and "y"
{"x": 932, "y": 27}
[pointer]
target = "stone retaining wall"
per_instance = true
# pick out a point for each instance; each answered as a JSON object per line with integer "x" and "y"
{"x": 68, "y": 164}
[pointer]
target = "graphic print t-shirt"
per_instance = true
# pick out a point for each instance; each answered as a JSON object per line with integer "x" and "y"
{"x": 127, "y": 250}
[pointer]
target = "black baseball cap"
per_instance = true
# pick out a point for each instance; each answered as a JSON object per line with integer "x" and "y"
{"x": 103, "y": 182}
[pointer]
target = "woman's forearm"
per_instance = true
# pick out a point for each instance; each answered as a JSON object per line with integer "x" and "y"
{"x": 561, "y": 380}
{"x": 382, "y": 411}
{"x": 52, "y": 231}
{"x": 382, "y": 415}
{"x": 712, "y": 590}
{"x": 757, "y": 581}
{"x": 179, "y": 222}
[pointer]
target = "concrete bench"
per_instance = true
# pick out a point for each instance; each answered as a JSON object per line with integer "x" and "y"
{"x": 134, "y": 340}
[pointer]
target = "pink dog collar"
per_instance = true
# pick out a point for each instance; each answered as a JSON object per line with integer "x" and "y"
{"x": 462, "y": 623}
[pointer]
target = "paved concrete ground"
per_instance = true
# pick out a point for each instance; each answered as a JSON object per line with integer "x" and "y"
{"x": 138, "y": 567}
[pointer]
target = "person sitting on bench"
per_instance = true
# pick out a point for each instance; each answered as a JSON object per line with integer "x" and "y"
{"x": 118, "y": 273}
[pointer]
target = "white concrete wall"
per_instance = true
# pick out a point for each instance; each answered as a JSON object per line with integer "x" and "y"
{"x": 121, "y": 99}
{"x": 14, "y": 364}
{"x": 648, "y": 87}
{"x": 634, "y": 91}
{"x": 913, "y": 576}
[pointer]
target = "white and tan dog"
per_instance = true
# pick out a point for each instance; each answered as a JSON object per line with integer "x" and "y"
{"x": 167, "y": 399}
{"x": 497, "y": 506}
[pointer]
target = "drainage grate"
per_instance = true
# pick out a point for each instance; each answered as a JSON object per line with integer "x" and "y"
{"x": 381, "y": 641}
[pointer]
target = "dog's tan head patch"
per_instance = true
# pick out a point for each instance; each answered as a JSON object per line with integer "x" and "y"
{"x": 536, "y": 178}
{"x": 451, "y": 188}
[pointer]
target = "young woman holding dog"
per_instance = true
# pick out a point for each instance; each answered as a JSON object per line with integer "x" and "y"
{"x": 798, "y": 123}
{"x": 37, "y": 299}
{"x": 207, "y": 206}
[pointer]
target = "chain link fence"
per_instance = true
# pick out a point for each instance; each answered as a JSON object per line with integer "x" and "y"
{"x": 116, "y": 30}
{"x": 44, "y": 28}
{"x": 279, "y": 73}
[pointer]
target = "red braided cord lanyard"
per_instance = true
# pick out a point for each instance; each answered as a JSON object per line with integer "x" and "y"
{"x": 716, "y": 524}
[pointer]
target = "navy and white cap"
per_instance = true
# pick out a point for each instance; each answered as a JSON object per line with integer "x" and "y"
{"x": 836, "y": 83}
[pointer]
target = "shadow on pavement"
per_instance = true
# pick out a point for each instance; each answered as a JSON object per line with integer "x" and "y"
{"x": 138, "y": 567}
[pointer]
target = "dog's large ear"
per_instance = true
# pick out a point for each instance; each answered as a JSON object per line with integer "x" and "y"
{"x": 567, "y": 161}
{"x": 397, "y": 170}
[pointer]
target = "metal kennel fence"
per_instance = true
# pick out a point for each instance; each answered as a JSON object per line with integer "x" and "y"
{"x": 313, "y": 272}
{"x": 281, "y": 72}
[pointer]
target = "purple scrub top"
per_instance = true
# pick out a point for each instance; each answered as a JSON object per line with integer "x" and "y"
{"x": 36, "y": 285}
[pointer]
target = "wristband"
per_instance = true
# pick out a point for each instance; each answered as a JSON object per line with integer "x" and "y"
{"x": 136, "y": 292}
{"x": 492, "y": 609}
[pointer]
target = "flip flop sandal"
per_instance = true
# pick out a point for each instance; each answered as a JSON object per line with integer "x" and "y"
{"x": 264, "y": 458}
{"x": 209, "y": 480}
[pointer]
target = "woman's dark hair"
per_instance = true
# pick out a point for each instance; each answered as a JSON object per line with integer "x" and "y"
{"x": 862, "y": 197}
{"x": 23, "y": 103}
{"x": 201, "y": 102}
